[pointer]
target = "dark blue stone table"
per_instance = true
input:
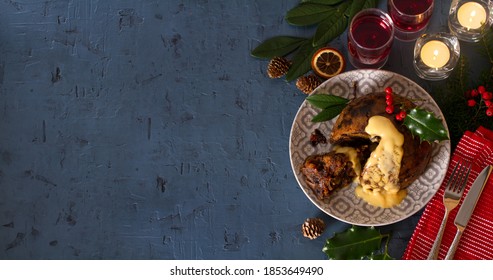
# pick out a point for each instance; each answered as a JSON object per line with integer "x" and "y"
{"x": 145, "y": 130}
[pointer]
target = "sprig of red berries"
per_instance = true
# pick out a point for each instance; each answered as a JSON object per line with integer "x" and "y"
{"x": 389, "y": 100}
{"x": 484, "y": 97}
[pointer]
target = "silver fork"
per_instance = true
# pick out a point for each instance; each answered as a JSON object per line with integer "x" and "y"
{"x": 451, "y": 198}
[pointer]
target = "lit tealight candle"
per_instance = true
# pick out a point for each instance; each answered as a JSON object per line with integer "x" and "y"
{"x": 435, "y": 54}
{"x": 471, "y": 15}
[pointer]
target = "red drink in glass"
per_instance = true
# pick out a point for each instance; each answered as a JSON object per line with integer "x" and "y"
{"x": 410, "y": 17}
{"x": 370, "y": 39}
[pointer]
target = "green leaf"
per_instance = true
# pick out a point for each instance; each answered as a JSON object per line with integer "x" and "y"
{"x": 301, "y": 61}
{"x": 323, "y": 101}
{"x": 329, "y": 113}
{"x": 425, "y": 125}
{"x": 277, "y": 46}
{"x": 384, "y": 256}
{"x": 355, "y": 243}
{"x": 308, "y": 14}
{"x": 333, "y": 26}
{"x": 323, "y": 2}
{"x": 356, "y": 6}
{"x": 370, "y": 4}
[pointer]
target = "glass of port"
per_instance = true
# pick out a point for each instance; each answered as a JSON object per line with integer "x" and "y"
{"x": 370, "y": 38}
{"x": 410, "y": 17}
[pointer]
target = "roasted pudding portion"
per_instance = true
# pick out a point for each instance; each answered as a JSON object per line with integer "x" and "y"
{"x": 372, "y": 149}
{"x": 328, "y": 172}
{"x": 350, "y": 126}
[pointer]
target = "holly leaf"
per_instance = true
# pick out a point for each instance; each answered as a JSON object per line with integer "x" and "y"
{"x": 425, "y": 125}
{"x": 384, "y": 256}
{"x": 354, "y": 243}
{"x": 277, "y": 46}
{"x": 308, "y": 14}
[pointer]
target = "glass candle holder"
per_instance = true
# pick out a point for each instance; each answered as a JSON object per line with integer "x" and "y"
{"x": 436, "y": 55}
{"x": 469, "y": 18}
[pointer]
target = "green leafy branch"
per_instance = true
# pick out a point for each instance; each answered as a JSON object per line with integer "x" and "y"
{"x": 332, "y": 17}
{"x": 451, "y": 96}
{"x": 357, "y": 243}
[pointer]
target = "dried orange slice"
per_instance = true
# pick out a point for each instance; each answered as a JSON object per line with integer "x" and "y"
{"x": 328, "y": 62}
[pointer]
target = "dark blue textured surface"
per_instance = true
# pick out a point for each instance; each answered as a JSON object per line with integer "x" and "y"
{"x": 145, "y": 130}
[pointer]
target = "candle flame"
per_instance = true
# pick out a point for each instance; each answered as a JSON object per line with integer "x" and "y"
{"x": 435, "y": 54}
{"x": 473, "y": 14}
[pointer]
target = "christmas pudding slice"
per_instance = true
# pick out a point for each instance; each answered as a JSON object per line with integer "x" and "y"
{"x": 349, "y": 130}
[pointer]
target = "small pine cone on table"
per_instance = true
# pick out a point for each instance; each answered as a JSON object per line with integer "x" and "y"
{"x": 278, "y": 67}
{"x": 308, "y": 83}
{"x": 313, "y": 228}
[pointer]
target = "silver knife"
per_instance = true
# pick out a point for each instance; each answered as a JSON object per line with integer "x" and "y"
{"x": 467, "y": 208}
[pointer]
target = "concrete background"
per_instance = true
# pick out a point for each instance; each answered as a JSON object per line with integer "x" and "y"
{"x": 145, "y": 130}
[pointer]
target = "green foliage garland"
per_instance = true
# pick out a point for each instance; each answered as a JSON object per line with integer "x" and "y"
{"x": 332, "y": 17}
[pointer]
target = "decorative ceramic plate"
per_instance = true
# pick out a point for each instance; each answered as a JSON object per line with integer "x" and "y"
{"x": 343, "y": 204}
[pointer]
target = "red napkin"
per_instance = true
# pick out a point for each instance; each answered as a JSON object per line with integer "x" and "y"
{"x": 477, "y": 240}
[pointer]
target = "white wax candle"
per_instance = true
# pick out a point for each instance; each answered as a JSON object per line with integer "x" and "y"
{"x": 435, "y": 54}
{"x": 471, "y": 15}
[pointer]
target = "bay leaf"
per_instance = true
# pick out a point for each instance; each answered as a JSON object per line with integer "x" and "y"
{"x": 332, "y": 26}
{"x": 329, "y": 113}
{"x": 277, "y": 46}
{"x": 301, "y": 61}
{"x": 308, "y": 14}
{"x": 323, "y": 101}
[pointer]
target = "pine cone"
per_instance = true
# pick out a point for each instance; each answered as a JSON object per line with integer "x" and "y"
{"x": 278, "y": 67}
{"x": 308, "y": 83}
{"x": 313, "y": 228}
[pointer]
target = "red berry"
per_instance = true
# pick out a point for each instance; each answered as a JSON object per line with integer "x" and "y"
{"x": 471, "y": 102}
{"x": 481, "y": 89}
{"x": 388, "y": 90}
{"x": 398, "y": 117}
{"x": 489, "y": 112}
{"x": 389, "y": 101}
{"x": 389, "y": 109}
{"x": 487, "y": 95}
{"x": 488, "y": 103}
{"x": 474, "y": 93}
{"x": 402, "y": 114}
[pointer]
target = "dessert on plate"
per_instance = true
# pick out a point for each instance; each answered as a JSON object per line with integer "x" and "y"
{"x": 372, "y": 149}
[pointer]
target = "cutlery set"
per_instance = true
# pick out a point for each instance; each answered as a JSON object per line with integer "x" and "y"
{"x": 451, "y": 198}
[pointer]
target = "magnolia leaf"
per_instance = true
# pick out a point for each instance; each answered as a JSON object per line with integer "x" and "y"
{"x": 277, "y": 46}
{"x": 323, "y": 101}
{"x": 425, "y": 125}
{"x": 354, "y": 243}
{"x": 332, "y": 26}
{"x": 308, "y": 14}
{"x": 329, "y": 113}
{"x": 323, "y": 2}
{"x": 301, "y": 61}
